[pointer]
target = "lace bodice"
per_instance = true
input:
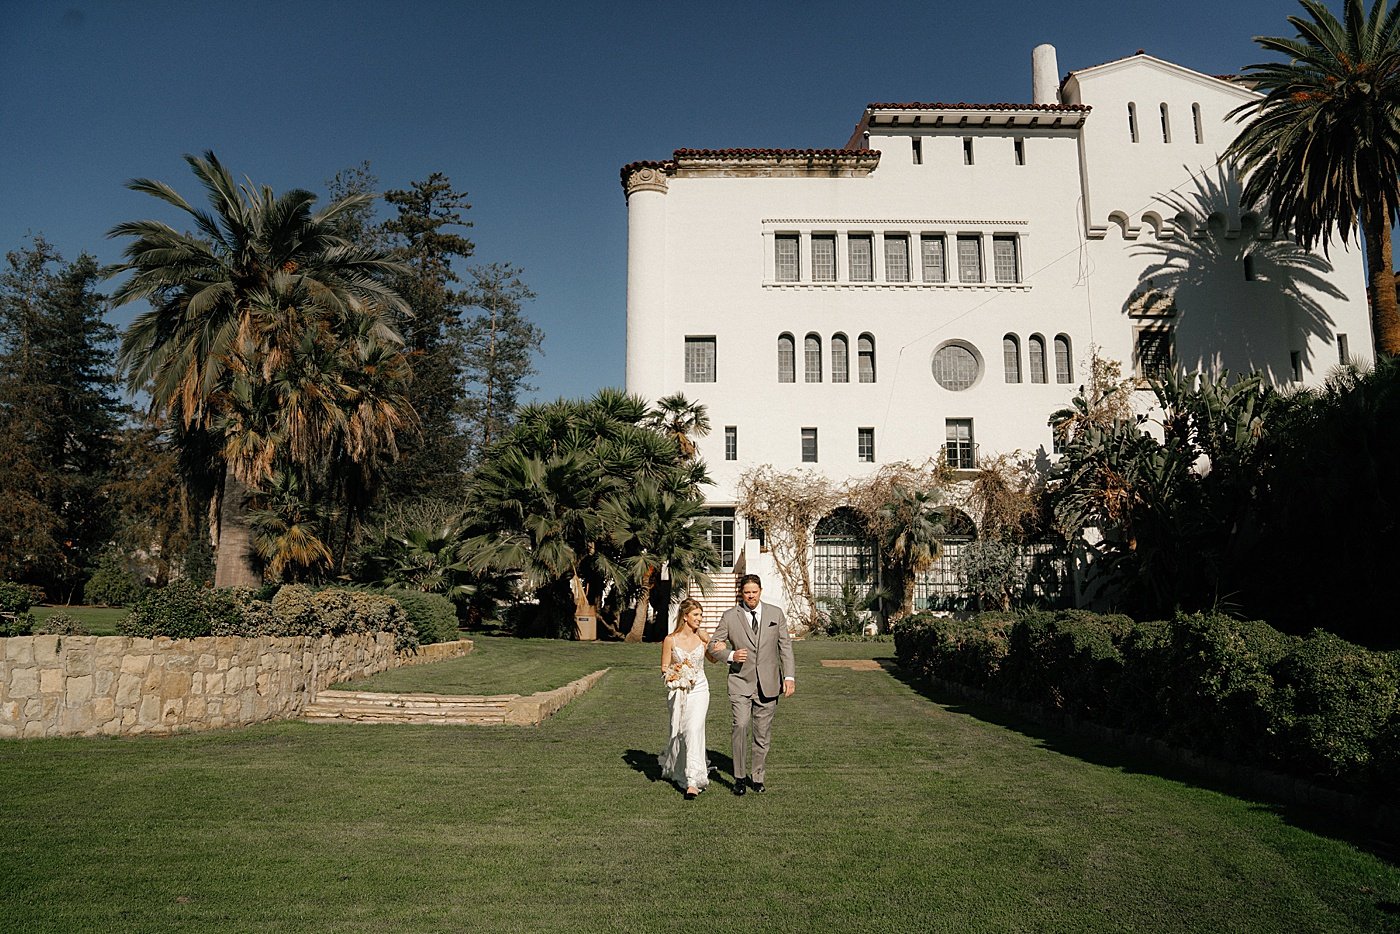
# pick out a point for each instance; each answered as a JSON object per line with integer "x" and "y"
{"x": 695, "y": 656}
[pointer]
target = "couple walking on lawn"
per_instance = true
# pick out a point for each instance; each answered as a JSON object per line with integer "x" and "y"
{"x": 752, "y": 638}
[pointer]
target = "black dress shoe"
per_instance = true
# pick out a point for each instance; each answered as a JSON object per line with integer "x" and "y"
{"x": 758, "y": 787}
{"x": 740, "y": 788}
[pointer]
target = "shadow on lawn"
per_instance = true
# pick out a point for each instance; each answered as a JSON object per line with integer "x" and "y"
{"x": 646, "y": 763}
{"x": 1064, "y": 742}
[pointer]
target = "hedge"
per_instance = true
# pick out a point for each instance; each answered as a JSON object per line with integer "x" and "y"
{"x": 1319, "y": 707}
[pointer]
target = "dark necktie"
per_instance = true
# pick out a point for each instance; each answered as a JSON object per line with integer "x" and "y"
{"x": 753, "y": 621}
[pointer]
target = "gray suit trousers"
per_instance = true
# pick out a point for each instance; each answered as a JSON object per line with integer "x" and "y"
{"x": 754, "y": 712}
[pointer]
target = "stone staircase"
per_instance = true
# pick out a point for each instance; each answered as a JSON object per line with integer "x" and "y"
{"x": 442, "y": 709}
{"x": 724, "y": 593}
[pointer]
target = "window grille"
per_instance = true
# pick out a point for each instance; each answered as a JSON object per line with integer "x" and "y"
{"x": 1011, "y": 358}
{"x": 1004, "y": 259}
{"x": 865, "y": 350}
{"x": 935, "y": 266}
{"x": 1037, "y": 361}
{"x": 959, "y": 448}
{"x": 824, "y": 259}
{"x": 955, "y": 367}
{"x": 970, "y": 259}
{"x": 721, "y": 535}
{"x": 861, "y": 260}
{"x": 809, "y": 445}
{"x": 786, "y": 260}
{"x": 1064, "y": 363}
{"x": 896, "y": 259}
{"x": 731, "y": 442}
{"x": 1154, "y": 353}
{"x": 865, "y": 445}
{"x": 840, "y": 359}
{"x": 812, "y": 359}
{"x": 787, "y": 362}
{"x": 699, "y": 359}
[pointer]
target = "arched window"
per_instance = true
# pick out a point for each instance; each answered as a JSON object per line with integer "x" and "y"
{"x": 865, "y": 352}
{"x": 1037, "y": 355}
{"x": 840, "y": 359}
{"x": 1011, "y": 357}
{"x": 812, "y": 358}
{"x": 787, "y": 363}
{"x": 1166, "y": 125}
{"x": 1196, "y": 119}
{"x": 1064, "y": 363}
{"x": 1132, "y": 121}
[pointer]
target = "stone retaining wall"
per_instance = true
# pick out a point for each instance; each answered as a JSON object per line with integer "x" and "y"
{"x": 110, "y": 685}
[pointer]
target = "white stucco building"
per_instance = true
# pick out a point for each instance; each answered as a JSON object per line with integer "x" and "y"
{"x": 941, "y": 278}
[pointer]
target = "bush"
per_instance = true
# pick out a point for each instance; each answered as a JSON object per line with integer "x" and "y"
{"x": 1221, "y": 683}
{"x": 183, "y": 610}
{"x": 297, "y": 610}
{"x": 61, "y": 624}
{"x": 433, "y": 616}
{"x": 112, "y": 584}
{"x": 15, "y": 601}
{"x": 1335, "y": 702}
{"x": 1067, "y": 659}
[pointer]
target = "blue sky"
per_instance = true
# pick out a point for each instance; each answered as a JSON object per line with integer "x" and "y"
{"x": 532, "y": 108}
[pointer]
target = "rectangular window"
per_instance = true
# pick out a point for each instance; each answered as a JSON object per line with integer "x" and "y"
{"x": 865, "y": 445}
{"x": 961, "y": 453}
{"x": 1343, "y": 351}
{"x": 862, "y": 262}
{"x": 721, "y": 535}
{"x": 809, "y": 445}
{"x": 1020, "y": 149}
{"x": 1295, "y": 361}
{"x": 967, "y": 150}
{"x": 896, "y": 259}
{"x": 731, "y": 442}
{"x": 935, "y": 265}
{"x": 1059, "y": 435}
{"x": 1004, "y": 259}
{"x": 786, "y": 268}
{"x": 1153, "y": 353}
{"x": 824, "y": 259}
{"x": 699, "y": 359}
{"x": 969, "y": 259}
{"x": 918, "y": 150}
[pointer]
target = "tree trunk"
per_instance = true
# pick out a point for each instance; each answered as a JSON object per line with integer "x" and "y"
{"x": 234, "y": 565}
{"x": 639, "y": 618}
{"x": 1385, "y": 315}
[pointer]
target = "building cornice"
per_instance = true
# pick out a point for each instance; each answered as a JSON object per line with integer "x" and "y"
{"x": 749, "y": 163}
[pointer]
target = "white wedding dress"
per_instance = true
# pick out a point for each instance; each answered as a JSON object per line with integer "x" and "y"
{"x": 684, "y": 762}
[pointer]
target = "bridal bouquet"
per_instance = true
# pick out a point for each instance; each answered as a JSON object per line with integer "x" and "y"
{"x": 682, "y": 675}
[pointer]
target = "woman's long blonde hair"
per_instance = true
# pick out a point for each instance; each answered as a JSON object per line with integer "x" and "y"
{"x": 686, "y": 606}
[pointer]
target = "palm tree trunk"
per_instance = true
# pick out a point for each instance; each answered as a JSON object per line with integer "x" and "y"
{"x": 234, "y": 563}
{"x": 1385, "y": 315}
{"x": 639, "y": 617}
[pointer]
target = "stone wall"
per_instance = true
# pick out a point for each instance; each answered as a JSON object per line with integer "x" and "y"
{"x": 110, "y": 685}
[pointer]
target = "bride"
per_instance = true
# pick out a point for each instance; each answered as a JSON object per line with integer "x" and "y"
{"x": 688, "y": 697}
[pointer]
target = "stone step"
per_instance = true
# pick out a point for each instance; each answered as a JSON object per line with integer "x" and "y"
{"x": 386, "y": 699}
{"x": 380, "y": 716}
{"x": 379, "y": 707}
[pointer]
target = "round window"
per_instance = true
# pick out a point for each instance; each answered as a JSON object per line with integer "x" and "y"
{"x": 956, "y": 366}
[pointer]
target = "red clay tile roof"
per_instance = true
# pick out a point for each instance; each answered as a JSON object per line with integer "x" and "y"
{"x": 964, "y": 106}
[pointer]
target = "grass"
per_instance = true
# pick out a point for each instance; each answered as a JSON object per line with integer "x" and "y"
{"x": 503, "y": 666}
{"x": 887, "y": 811}
{"x": 99, "y": 620}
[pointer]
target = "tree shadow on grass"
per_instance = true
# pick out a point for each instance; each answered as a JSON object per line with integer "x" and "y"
{"x": 1069, "y": 743}
{"x": 647, "y": 763}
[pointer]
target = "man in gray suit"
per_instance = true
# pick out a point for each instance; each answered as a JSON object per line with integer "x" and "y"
{"x": 753, "y": 637}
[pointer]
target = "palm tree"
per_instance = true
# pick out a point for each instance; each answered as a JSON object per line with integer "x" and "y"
{"x": 911, "y": 538}
{"x": 656, "y": 531}
{"x": 1323, "y": 144}
{"x": 682, "y": 420}
{"x": 262, "y": 283}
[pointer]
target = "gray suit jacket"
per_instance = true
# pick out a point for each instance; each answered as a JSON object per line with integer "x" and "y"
{"x": 770, "y": 653}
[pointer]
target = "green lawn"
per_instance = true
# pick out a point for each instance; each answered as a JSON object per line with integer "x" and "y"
{"x": 887, "y": 811}
{"x": 99, "y": 620}
{"x": 505, "y": 666}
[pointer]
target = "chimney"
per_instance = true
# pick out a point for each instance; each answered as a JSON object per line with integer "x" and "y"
{"x": 1045, "y": 75}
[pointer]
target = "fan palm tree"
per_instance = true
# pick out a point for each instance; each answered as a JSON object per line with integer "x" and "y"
{"x": 655, "y": 531}
{"x": 682, "y": 420}
{"x": 912, "y": 531}
{"x": 261, "y": 282}
{"x": 1322, "y": 145}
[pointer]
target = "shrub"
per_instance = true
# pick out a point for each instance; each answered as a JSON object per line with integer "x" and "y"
{"x": 1067, "y": 659}
{"x": 434, "y": 617}
{"x": 183, "y": 610}
{"x": 1220, "y": 695}
{"x": 298, "y": 610}
{"x": 15, "y": 601}
{"x": 61, "y": 624}
{"x": 112, "y": 584}
{"x": 1335, "y": 701}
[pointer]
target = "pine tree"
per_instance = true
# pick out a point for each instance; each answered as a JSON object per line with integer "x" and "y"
{"x": 59, "y": 415}
{"x": 500, "y": 345}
